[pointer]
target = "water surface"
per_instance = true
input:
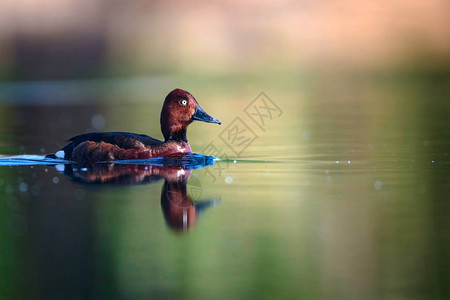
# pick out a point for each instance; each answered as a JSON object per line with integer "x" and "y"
{"x": 340, "y": 194}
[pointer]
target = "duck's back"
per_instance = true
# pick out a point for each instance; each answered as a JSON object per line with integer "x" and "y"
{"x": 124, "y": 140}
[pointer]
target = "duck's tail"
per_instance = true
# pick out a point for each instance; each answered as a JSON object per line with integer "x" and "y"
{"x": 60, "y": 154}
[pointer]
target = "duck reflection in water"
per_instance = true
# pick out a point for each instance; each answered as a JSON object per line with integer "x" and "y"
{"x": 180, "y": 209}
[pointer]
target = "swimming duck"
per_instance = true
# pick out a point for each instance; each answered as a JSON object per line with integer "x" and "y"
{"x": 179, "y": 110}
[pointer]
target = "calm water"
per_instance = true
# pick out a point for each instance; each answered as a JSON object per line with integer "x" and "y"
{"x": 329, "y": 189}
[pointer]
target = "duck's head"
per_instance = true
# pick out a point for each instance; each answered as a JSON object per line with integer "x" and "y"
{"x": 179, "y": 110}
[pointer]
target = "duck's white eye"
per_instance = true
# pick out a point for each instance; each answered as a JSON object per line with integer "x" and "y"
{"x": 184, "y": 102}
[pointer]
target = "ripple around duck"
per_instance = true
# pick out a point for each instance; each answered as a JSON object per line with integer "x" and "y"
{"x": 188, "y": 161}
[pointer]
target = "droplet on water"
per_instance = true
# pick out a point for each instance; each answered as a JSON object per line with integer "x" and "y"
{"x": 23, "y": 187}
{"x": 228, "y": 179}
{"x": 378, "y": 185}
{"x": 306, "y": 135}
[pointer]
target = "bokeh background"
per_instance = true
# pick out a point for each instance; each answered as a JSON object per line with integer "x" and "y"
{"x": 91, "y": 54}
{"x": 344, "y": 196}
{"x": 90, "y": 39}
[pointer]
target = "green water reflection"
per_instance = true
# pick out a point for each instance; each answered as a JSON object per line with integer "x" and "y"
{"x": 342, "y": 196}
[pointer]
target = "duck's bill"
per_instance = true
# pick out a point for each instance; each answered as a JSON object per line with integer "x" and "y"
{"x": 201, "y": 115}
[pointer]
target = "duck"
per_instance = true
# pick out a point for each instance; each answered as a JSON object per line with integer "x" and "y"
{"x": 179, "y": 110}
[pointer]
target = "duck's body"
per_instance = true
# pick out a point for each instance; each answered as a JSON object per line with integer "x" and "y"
{"x": 108, "y": 146}
{"x": 179, "y": 110}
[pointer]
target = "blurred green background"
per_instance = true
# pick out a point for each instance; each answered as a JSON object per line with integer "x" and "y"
{"x": 343, "y": 196}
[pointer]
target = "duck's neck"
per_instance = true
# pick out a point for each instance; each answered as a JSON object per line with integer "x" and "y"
{"x": 175, "y": 143}
{"x": 177, "y": 136}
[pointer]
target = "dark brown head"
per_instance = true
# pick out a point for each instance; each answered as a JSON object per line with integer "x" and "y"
{"x": 179, "y": 110}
